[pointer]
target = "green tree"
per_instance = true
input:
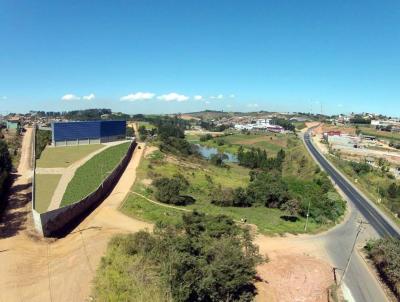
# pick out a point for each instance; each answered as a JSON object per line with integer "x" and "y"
{"x": 168, "y": 190}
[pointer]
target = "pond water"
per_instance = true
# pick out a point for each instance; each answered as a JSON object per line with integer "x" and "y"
{"x": 207, "y": 152}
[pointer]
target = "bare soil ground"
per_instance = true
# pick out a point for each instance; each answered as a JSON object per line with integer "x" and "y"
{"x": 297, "y": 270}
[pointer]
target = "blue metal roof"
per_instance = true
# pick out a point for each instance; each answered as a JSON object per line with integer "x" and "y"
{"x": 63, "y": 131}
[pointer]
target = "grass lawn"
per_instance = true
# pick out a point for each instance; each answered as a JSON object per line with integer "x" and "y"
{"x": 147, "y": 125}
{"x": 89, "y": 176}
{"x": 202, "y": 176}
{"x": 45, "y": 185}
{"x": 54, "y": 157}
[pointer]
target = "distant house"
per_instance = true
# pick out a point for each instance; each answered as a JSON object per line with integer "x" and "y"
{"x": 13, "y": 125}
{"x": 298, "y": 119}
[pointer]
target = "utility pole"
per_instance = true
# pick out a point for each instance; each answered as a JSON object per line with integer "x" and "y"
{"x": 359, "y": 230}
{"x": 308, "y": 214}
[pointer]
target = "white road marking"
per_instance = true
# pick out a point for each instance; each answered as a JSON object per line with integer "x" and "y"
{"x": 347, "y": 294}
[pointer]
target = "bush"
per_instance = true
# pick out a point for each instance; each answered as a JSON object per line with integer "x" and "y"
{"x": 218, "y": 159}
{"x": 168, "y": 190}
{"x": 385, "y": 254}
{"x": 206, "y": 258}
{"x": 43, "y": 138}
{"x": 268, "y": 189}
{"x": 360, "y": 168}
{"x": 206, "y": 137}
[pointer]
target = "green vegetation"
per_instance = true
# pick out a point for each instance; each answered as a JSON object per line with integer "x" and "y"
{"x": 377, "y": 183}
{"x": 299, "y": 125}
{"x": 204, "y": 258}
{"x": 45, "y": 185}
{"x": 146, "y": 125}
{"x": 261, "y": 181}
{"x": 43, "y": 138}
{"x": 5, "y": 167}
{"x": 204, "y": 179}
{"x": 386, "y": 135}
{"x": 168, "y": 190}
{"x": 286, "y": 124}
{"x": 58, "y": 157}
{"x": 90, "y": 175}
{"x": 385, "y": 254}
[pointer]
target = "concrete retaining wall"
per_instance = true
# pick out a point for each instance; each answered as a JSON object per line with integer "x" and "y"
{"x": 60, "y": 221}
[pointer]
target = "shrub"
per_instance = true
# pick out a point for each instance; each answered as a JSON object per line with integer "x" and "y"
{"x": 206, "y": 137}
{"x": 385, "y": 254}
{"x": 206, "y": 258}
{"x": 43, "y": 138}
{"x": 360, "y": 168}
{"x": 168, "y": 190}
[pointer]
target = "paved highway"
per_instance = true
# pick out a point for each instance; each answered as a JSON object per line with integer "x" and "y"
{"x": 359, "y": 284}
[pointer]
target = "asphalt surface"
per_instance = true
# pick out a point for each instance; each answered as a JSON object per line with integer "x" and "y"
{"x": 359, "y": 284}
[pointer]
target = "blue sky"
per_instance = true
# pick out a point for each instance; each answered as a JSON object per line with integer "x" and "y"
{"x": 156, "y": 56}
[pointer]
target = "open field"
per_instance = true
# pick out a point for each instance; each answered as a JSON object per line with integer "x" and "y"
{"x": 202, "y": 176}
{"x": 272, "y": 143}
{"x": 390, "y": 136}
{"x": 91, "y": 174}
{"x": 45, "y": 185}
{"x": 64, "y": 156}
{"x": 147, "y": 125}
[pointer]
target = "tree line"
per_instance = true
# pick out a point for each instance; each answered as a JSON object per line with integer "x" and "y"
{"x": 255, "y": 158}
{"x": 5, "y": 169}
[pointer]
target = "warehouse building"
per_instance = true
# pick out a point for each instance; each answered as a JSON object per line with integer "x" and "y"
{"x": 87, "y": 132}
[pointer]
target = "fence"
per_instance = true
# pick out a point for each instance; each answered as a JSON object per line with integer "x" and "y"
{"x": 60, "y": 221}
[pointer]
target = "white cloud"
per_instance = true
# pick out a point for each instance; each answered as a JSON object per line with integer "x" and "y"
{"x": 4, "y": 97}
{"x": 70, "y": 97}
{"x": 232, "y": 96}
{"x": 198, "y": 97}
{"x": 340, "y": 105}
{"x": 138, "y": 96}
{"x": 207, "y": 102}
{"x": 252, "y": 105}
{"x": 217, "y": 97}
{"x": 173, "y": 96}
{"x": 89, "y": 97}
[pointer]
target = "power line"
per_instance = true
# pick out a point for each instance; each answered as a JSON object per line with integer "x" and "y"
{"x": 359, "y": 230}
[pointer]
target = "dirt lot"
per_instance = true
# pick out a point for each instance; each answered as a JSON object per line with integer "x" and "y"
{"x": 296, "y": 271}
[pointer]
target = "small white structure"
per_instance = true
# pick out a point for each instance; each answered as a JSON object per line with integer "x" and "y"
{"x": 260, "y": 124}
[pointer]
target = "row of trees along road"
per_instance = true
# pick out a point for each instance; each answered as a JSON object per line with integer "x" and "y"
{"x": 5, "y": 169}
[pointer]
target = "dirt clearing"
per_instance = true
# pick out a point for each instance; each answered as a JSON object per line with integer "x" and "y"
{"x": 296, "y": 271}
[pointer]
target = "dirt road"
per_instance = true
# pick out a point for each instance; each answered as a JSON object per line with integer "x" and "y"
{"x": 34, "y": 269}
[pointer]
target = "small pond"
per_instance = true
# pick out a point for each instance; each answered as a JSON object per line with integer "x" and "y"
{"x": 207, "y": 152}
